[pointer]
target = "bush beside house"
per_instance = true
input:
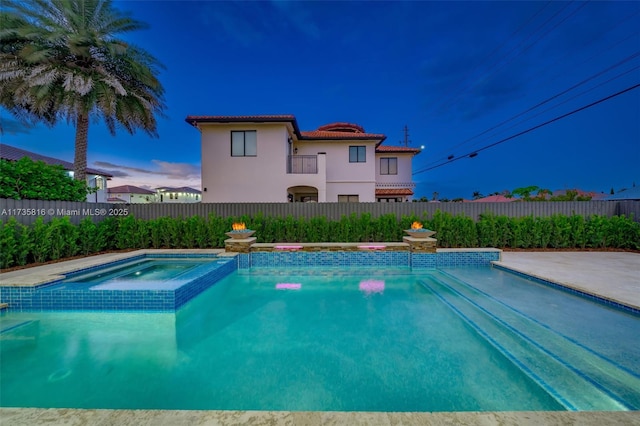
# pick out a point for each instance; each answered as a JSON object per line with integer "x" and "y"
{"x": 26, "y": 179}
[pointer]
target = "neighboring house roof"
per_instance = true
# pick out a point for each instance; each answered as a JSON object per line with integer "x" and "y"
{"x": 115, "y": 200}
{"x": 332, "y": 131}
{"x": 12, "y": 153}
{"x": 393, "y": 191}
{"x": 185, "y": 189}
{"x": 627, "y": 194}
{"x": 494, "y": 199}
{"x": 397, "y": 149}
{"x": 130, "y": 189}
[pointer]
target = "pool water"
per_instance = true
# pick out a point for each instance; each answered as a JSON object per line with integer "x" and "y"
{"x": 139, "y": 274}
{"x": 358, "y": 340}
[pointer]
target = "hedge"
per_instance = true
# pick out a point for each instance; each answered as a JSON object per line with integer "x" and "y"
{"x": 58, "y": 239}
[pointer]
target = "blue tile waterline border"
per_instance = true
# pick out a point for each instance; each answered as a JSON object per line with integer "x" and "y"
{"x": 595, "y": 298}
{"x": 369, "y": 258}
{"x": 42, "y": 298}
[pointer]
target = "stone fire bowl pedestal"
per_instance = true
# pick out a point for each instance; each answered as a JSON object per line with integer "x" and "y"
{"x": 240, "y": 235}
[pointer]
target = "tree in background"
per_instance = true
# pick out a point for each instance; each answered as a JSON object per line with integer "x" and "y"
{"x": 62, "y": 60}
{"x": 26, "y": 179}
{"x": 525, "y": 192}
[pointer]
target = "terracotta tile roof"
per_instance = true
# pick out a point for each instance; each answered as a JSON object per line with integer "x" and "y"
{"x": 332, "y": 135}
{"x": 393, "y": 191}
{"x": 191, "y": 119}
{"x": 341, "y": 127}
{"x": 129, "y": 189}
{"x": 494, "y": 199}
{"x": 398, "y": 149}
{"x": 332, "y": 131}
{"x": 12, "y": 153}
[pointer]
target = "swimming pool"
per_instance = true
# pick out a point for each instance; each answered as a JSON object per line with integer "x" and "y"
{"x": 326, "y": 339}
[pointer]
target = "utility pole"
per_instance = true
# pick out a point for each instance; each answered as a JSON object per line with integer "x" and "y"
{"x": 406, "y": 136}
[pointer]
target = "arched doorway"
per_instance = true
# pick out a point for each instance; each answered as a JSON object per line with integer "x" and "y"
{"x": 302, "y": 194}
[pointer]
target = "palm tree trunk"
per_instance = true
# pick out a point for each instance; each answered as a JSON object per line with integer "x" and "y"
{"x": 80, "y": 160}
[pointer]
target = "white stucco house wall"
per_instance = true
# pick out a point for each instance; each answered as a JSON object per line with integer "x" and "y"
{"x": 131, "y": 194}
{"x": 184, "y": 194}
{"x": 95, "y": 178}
{"x": 267, "y": 158}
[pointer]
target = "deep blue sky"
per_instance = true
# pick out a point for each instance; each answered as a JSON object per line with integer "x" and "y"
{"x": 447, "y": 70}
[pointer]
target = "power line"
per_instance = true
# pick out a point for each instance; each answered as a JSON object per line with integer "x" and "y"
{"x": 557, "y": 95}
{"x": 575, "y": 96}
{"x": 628, "y": 89}
{"x": 539, "y": 104}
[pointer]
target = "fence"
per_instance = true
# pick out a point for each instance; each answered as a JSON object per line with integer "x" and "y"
{"x": 26, "y": 211}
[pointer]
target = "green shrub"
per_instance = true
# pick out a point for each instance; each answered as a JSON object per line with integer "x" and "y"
{"x": 39, "y": 242}
{"x": 8, "y": 243}
{"x": 63, "y": 238}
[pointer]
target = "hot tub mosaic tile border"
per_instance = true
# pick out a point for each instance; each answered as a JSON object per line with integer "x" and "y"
{"x": 37, "y": 298}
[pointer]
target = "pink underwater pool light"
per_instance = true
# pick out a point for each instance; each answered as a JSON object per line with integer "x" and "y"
{"x": 288, "y": 286}
{"x": 371, "y": 286}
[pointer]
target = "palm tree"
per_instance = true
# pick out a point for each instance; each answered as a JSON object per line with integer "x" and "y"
{"x": 62, "y": 60}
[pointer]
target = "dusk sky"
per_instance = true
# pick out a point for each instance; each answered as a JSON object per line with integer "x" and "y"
{"x": 463, "y": 76}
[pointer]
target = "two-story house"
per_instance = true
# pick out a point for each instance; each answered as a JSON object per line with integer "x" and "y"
{"x": 267, "y": 158}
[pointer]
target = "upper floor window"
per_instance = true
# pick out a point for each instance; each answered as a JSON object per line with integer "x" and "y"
{"x": 389, "y": 166}
{"x": 244, "y": 143}
{"x": 357, "y": 154}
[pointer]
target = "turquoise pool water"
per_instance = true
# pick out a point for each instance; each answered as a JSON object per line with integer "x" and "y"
{"x": 138, "y": 274}
{"x": 323, "y": 339}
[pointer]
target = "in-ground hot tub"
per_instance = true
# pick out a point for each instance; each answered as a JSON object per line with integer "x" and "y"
{"x": 160, "y": 283}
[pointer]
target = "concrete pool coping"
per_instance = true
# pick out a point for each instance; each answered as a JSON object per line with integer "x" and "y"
{"x": 34, "y": 416}
{"x": 37, "y": 275}
{"x": 610, "y": 275}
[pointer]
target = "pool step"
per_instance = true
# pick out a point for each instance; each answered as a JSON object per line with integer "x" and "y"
{"x": 552, "y": 360}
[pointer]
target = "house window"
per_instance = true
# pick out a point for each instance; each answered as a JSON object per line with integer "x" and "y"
{"x": 171, "y": 196}
{"x": 197, "y": 197}
{"x": 348, "y": 198}
{"x": 244, "y": 143}
{"x": 357, "y": 154}
{"x": 99, "y": 182}
{"x": 389, "y": 166}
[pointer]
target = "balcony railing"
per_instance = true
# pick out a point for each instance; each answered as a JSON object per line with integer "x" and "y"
{"x": 302, "y": 164}
{"x": 380, "y": 185}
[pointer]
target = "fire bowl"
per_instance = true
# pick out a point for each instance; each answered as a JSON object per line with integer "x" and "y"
{"x": 239, "y": 235}
{"x": 419, "y": 233}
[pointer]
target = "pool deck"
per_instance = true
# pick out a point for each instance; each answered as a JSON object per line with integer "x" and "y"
{"x": 609, "y": 275}
{"x": 613, "y": 276}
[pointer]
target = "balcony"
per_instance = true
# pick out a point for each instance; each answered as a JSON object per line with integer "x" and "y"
{"x": 391, "y": 185}
{"x": 302, "y": 164}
